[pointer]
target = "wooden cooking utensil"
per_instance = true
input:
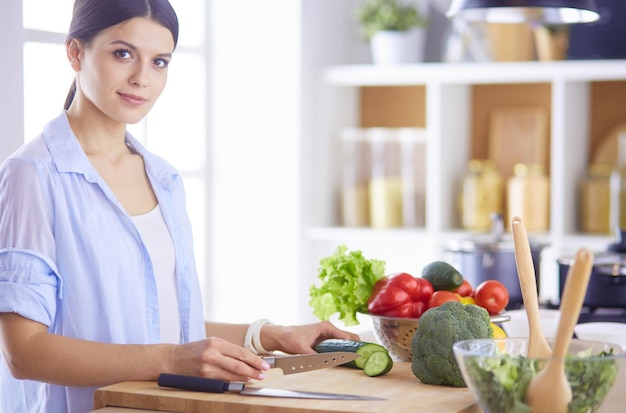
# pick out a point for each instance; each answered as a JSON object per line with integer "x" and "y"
{"x": 549, "y": 391}
{"x": 537, "y": 345}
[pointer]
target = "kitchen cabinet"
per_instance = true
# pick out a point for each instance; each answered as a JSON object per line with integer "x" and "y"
{"x": 452, "y": 102}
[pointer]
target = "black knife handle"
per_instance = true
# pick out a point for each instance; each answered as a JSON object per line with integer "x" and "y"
{"x": 192, "y": 383}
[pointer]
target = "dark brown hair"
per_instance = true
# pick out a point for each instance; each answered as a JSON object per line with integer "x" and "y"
{"x": 90, "y": 17}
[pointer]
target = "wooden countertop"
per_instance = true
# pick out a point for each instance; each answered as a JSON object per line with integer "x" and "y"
{"x": 402, "y": 389}
{"x": 123, "y": 410}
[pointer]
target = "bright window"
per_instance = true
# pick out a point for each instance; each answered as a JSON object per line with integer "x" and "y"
{"x": 48, "y": 16}
{"x": 44, "y": 97}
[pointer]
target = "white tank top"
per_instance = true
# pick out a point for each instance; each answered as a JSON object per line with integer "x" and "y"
{"x": 158, "y": 241}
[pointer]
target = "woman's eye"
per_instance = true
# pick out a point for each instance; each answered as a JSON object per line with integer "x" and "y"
{"x": 162, "y": 63}
{"x": 123, "y": 54}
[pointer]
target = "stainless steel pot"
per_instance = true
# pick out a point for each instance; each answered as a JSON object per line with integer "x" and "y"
{"x": 607, "y": 284}
{"x": 492, "y": 257}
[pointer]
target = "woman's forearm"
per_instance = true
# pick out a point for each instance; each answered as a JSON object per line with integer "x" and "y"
{"x": 34, "y": 354}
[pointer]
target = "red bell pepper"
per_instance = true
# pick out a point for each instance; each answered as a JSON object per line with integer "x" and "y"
{"x": 400, "y": 295}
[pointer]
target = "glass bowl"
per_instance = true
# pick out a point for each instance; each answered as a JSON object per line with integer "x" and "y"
{"x": 497, "y": 372}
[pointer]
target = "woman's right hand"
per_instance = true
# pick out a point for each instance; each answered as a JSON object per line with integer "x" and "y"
{"x": 217, "y": 358}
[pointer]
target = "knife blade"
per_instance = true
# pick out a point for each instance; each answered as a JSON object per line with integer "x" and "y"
{"x": 290, "y": 364}
{"x": 202, "y": 384}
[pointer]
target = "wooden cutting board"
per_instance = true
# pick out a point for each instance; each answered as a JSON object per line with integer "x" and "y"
{"x": 606, "y": 152}
{"x": 518, "y": 135}
{"x": 402, "y": 389}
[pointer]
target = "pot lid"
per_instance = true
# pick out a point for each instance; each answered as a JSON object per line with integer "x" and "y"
{"x": 495, "y": 240}
{"x": 620, "y": 243}
{"x": 612, "y": 261}
{"x": 609, "y": 262}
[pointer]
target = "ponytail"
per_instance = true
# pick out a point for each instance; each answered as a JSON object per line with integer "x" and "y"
{"x": 70, "y": 95}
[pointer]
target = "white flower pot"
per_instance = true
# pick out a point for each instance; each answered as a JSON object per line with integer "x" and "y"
{"x": 393, "y": 47}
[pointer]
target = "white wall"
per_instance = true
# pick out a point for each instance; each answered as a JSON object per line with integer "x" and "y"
{"x": 11, "y": 78}
{"x": 255, "y": 95}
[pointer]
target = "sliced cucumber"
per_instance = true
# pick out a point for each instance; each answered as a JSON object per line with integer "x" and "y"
{"x": 364, "y": 348}
{"x": 366, "y": 351}
{"x": 378, "y": 363}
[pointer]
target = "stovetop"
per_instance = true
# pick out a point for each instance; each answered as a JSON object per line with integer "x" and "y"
{"x": 589, "y": 314}
{"x": 602, "y": 314}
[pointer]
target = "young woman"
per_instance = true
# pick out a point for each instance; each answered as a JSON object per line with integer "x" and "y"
{"x": 97, "y": 277}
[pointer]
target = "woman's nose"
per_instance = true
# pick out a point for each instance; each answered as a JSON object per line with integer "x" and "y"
{"x": 140, "y": 76}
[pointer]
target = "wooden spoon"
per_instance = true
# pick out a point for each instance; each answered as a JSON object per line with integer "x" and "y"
{"x": 549, "y": 391}
{"x": 537, "y": 345}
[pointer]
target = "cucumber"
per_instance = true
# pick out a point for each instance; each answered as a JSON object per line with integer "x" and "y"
{"x": 378, "y": 363}
{"x": 365, "y": 349}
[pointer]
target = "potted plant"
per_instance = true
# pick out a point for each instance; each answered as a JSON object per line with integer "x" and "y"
{"x": 395, "y": 30}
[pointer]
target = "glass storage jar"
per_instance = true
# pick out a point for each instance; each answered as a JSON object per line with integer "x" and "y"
{"x": 595, "y": 199}
{"x": 528, "y": 196}
{"x": 356, "y": 172}
{"x": 482, "y": 195}
{"x": 385, "y": 187}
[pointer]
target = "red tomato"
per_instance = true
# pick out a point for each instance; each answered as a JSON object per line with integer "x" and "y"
{"x": 387, "y": 299}
{"x": 442, "y": 296}
{"x": 492, "y": 295}
{"x": 465, "y": 290}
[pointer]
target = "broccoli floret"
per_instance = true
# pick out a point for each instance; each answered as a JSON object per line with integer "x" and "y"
{"x": 438, "y": 329}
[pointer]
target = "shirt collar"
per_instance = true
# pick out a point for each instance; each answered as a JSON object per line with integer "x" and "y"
{"x": 68, "y": 155}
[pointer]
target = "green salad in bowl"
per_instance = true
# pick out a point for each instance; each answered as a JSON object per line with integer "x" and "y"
{"x": 497, "y": 372}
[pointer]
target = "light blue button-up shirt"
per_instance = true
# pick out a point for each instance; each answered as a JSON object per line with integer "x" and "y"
{"x": 72, "y": 259}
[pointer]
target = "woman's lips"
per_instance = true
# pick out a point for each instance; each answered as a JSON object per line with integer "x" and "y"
{"x": 133, "y": 99}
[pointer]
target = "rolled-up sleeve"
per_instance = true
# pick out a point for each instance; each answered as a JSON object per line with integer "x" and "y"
{"x": 29, "y": 285}
{"x": 29, "y": 280}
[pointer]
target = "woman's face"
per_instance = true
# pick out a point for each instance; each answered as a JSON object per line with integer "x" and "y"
{"x": 124, "y": 70}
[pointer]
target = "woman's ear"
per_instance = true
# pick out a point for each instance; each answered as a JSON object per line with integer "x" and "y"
{"x": 74, "y": 50}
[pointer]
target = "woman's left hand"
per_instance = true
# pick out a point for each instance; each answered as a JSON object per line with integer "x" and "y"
{"x": 300, "y": 339}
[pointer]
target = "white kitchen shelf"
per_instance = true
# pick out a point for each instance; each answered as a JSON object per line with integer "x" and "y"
{"x": 476, "y": 73}
{"x": 448, "y": 126}
{"x": 448, "y": 111}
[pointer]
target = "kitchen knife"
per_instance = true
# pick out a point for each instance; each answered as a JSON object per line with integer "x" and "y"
{"x": 220, "y": 386}
{"x": 290, "y": 364}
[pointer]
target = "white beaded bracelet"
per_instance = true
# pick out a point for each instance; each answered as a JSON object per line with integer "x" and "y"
{"x": 252, "y": 340}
